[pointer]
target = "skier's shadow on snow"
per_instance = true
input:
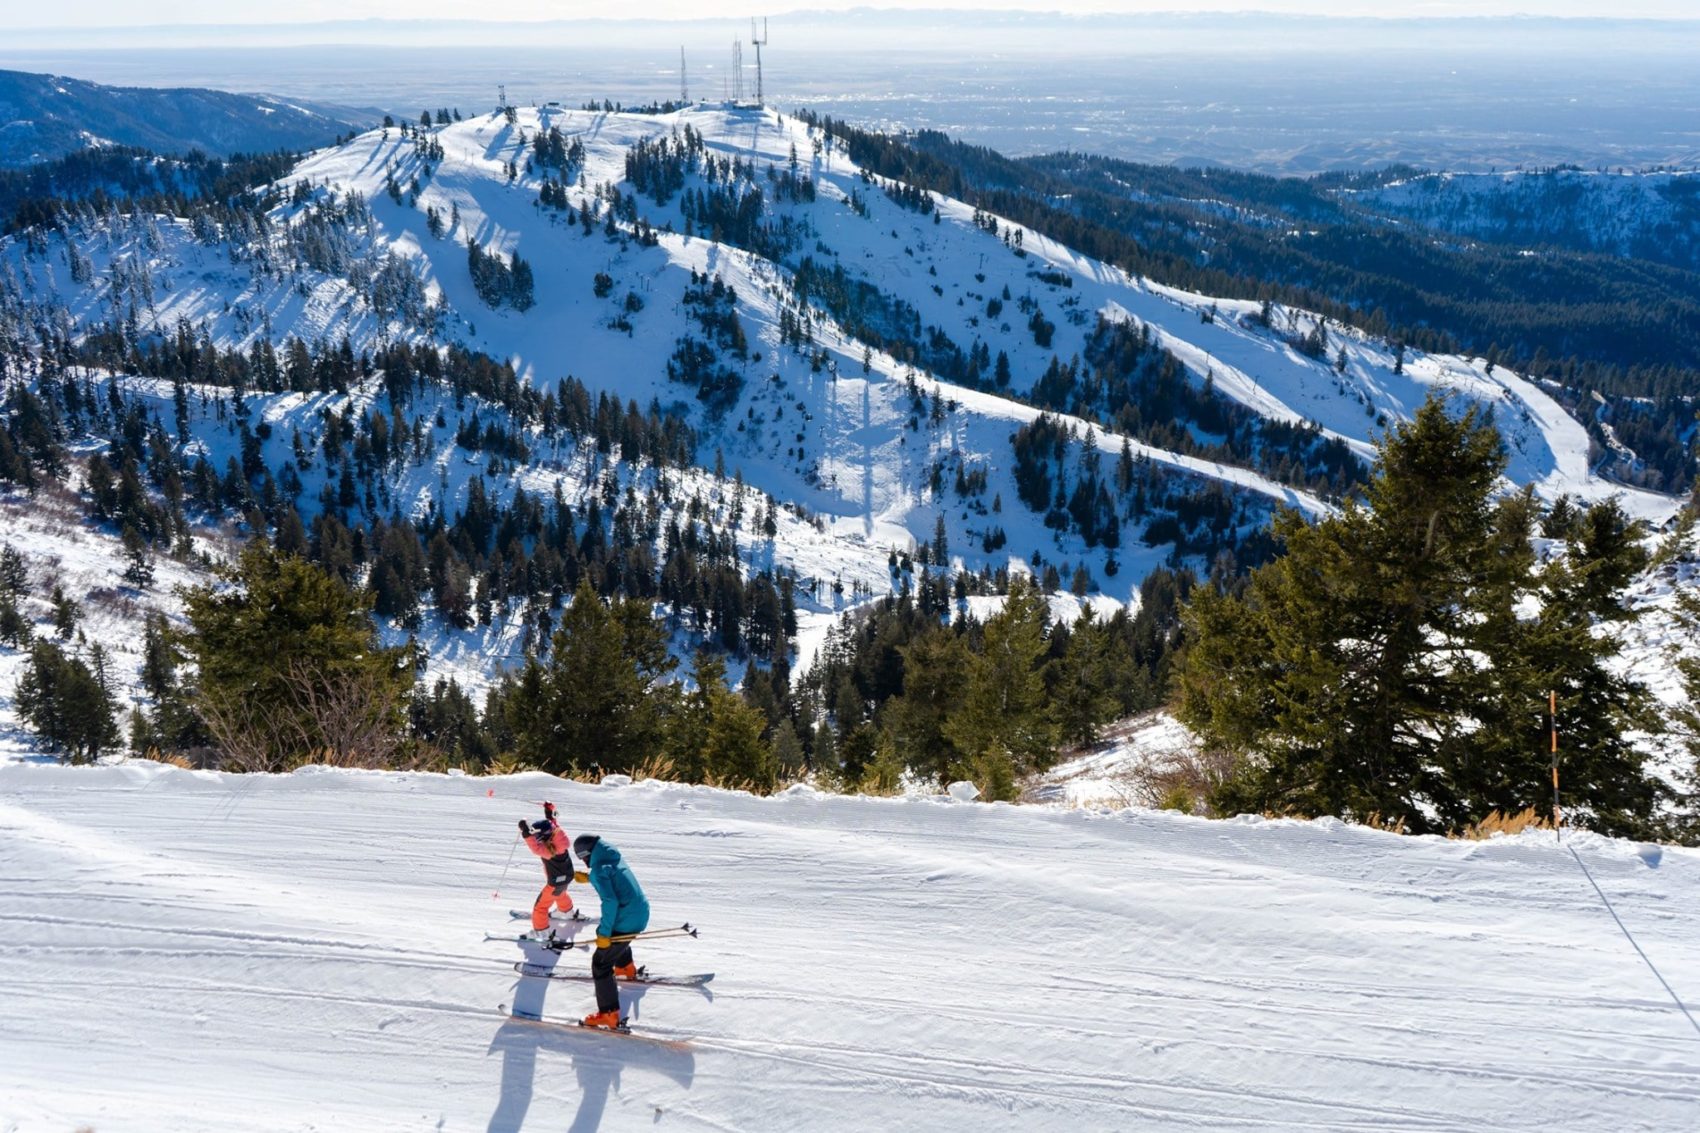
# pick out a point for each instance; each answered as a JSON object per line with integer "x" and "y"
{"x": 597, "y": 1060}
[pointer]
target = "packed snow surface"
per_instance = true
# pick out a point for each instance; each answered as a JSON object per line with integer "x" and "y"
{"x": 197, "y": 951}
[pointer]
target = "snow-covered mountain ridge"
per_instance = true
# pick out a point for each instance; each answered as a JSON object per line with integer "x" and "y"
{"x": 48, "y": 116}
{"x": 936, "y": 267}
{"x": 367, "y": 244}
{"x": 1650, "y": 215}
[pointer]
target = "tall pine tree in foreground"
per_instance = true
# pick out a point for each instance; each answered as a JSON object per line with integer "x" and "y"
{"x": 1388, "y": 663}
{"x": 289, "y": 667}
{"x": 1687, "y": 666}
{"x": 596, "y": 701}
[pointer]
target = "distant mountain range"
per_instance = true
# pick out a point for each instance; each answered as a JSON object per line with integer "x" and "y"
{"x": 46, "y": 116}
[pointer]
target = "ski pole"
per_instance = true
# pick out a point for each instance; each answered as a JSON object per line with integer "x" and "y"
{"x": 686, "y": 929}
{"x": 652, "y": 934}
{"x": 512, "y": 850}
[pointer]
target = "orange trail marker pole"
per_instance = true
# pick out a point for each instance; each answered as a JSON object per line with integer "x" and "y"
{"x": 1557, "y": 815}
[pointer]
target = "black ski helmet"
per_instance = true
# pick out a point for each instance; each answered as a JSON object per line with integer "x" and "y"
{"x": 584, "y": 845}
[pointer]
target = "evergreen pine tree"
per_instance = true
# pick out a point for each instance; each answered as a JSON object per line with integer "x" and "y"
{"x": 1379, "y": 666}
{"x": 735, "y": 753}
{"x": 138, "y": 568}
{"x": 1002, "y": 712}
{"x": 788, "y": 754}
{"x": 14, "y": 575}
{"x": 935, "y": 677}
{"x": 289, "y": 666}
{"x": 689, "y": 723}
{"x": 1569, "y": 648}
{"x": 1082, "y": 693}
{"x": 595, "y": 702}
{"x": 67, "y": 703}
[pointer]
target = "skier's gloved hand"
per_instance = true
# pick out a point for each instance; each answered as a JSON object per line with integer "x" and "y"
{"x": 581, "y": 877}
{"x": 604, "y": 942}
{"x": 549, "y": 811}
{"x": 524, "y": 828}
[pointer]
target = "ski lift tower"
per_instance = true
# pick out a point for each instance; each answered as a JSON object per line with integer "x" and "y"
{"x": 759, "y": 44}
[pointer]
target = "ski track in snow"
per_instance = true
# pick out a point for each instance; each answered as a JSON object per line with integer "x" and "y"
{"x": 194, "y": 951}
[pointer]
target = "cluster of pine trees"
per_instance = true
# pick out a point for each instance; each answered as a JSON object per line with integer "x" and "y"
{"x": 1141, "y": 390}
{"x": 500, "y": 282}
{"x": 1195, "y": 516}
{"x": 635, "y": 532}
{"x": 918, "y": 684}
{"x": 108, "y": 180}
{"x": 551, "y": 150}
{"x": 279, "y": 663}
{"x": 696, "y": 362}
{"x": 1384, "y": 664}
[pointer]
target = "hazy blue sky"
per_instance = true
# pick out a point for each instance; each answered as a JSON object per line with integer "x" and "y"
{"x": 106, "y": 13}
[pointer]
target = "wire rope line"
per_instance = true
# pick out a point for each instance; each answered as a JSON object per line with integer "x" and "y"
{"x": 1632, "y": 943}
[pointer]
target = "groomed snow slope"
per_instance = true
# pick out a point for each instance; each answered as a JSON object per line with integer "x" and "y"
{"x": 191, "y": 951}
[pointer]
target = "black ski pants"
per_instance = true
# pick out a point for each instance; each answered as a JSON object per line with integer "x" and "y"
{"x": 602, "y": 964}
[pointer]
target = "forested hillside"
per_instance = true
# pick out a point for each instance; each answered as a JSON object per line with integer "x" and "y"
{"x": 45, "y": 117}
{"x": 594, "y": 416}
{"x": 1598, "y": 298}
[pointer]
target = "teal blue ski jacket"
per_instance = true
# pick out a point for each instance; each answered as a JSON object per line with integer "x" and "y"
{"x": 624, "y": 907}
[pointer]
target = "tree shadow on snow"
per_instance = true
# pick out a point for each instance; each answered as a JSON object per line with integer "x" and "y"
{"x": 597, "y": 1060}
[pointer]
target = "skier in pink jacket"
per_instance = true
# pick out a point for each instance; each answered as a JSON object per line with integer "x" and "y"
{"x": 548, "y": 841}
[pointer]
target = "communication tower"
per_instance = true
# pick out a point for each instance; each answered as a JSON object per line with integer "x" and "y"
{"x": 684, "y": 80}
{"x": 759, "y": 44}
{"x": 737, "y": 71}
{"x": 501, "y": 96}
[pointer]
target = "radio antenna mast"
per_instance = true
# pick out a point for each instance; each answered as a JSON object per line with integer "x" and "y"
{"x": 684, "y": 80}
{"x": 502, "y": 95}
{"x": 759, "y": 44}
{"x": 737, "y": 71}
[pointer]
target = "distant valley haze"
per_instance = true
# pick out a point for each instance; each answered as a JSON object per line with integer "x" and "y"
{"x": 92, "y": 14}
{"x": 1272, "y": 90}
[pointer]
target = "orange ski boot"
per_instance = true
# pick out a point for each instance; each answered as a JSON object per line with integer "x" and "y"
{"x": 606, "y": 1020}
{"x": 626, "y": 971}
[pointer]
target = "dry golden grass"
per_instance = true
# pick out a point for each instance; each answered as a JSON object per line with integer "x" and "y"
{"x": 1498, "y": 823}
{"x": 656, "y": 766}
{"x": 172, "y": 759}
{"x": 507, "y": 765}
{"x": 1375, "y": 820}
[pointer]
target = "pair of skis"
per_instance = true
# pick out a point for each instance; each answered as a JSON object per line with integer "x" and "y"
{"x": 624, "y": 1030}
{"x": 546, "y": 972}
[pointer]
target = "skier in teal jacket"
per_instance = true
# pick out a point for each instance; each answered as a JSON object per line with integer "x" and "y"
{"x": 625, "y": 911}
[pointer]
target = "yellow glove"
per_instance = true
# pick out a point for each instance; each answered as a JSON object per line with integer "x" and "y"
{"x": 604, "y": 942}
{"x": 581, "y": 877}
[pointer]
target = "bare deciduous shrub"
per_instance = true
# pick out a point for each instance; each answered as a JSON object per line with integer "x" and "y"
{"x": 340, "y": 719}
{"x": 1182, "y": 779}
